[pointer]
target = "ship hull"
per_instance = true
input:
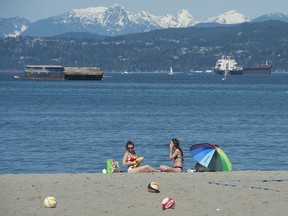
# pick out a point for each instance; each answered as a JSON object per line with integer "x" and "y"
{"x": 265, "y": 69}
{"x": 83, "y": 77}
{"x": 230, "y": 72}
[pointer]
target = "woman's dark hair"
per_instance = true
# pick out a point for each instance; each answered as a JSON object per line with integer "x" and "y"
{"x": 176, "y": 144}
{"x": 129, "y": 143}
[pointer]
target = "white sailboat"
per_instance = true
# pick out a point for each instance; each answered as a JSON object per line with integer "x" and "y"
{"x": 171, "y": 71}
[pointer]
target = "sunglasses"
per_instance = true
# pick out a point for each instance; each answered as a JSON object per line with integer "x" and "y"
{"x": 130, "y": 148}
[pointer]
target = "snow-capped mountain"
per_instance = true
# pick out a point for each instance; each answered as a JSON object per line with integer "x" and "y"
{"x": 271, "y": 16}
{"x": 230, "y": 17}
{"x": 185, "y": 19}
{"x": 114, "y": 20}
{"x": 118, "y": 16}
{"x": 13, "y": 27}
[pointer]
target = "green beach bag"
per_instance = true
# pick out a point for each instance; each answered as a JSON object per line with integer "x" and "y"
{"x": 112, "y": 166}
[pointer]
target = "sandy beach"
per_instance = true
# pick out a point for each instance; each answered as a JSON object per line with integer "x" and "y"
{"x": 254, "y": 193}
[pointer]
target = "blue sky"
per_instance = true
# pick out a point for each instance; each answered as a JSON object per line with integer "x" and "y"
{"x": 199, "y": 9}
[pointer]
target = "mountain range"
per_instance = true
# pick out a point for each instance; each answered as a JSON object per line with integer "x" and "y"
{"x": 11, "y": 27}
{"x": 115, "y": 20}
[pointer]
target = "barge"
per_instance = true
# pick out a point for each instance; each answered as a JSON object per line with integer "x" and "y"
{"x": 58, "y": 72}
{"x": 83, "y": 73}
{"x": 44, "y": 72}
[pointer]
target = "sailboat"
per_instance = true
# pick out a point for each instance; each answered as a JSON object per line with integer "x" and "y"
{"x": 171, "y": 71}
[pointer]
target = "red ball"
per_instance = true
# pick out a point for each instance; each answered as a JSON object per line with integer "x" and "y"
{"x": 168, "y": 203}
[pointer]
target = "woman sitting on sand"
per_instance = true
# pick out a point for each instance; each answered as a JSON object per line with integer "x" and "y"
{"x": 176, "y": 154}
{"x": 129, "y": 160}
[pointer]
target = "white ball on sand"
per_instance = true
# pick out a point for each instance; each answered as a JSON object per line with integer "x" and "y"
{"x": 168, "y": 203}
{"x": 50, "y": 202}
{"x": 104, "y": 171}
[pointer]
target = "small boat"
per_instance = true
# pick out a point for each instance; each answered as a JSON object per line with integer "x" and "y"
{"x": 16, "y": 77}
{"x": 227, "y": 66}
{"x": 171, "y": 71}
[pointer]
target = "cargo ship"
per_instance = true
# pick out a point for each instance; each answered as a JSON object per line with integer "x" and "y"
{"x": 259, "y": 69}
{"x": 227, "y": 66}
{"x": 58, "y": 72}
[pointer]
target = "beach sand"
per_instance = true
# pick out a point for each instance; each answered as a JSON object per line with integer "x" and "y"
{"x": 254, "y": 193}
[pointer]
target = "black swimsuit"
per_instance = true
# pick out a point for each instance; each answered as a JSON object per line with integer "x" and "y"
{"x": 178, "y": 166}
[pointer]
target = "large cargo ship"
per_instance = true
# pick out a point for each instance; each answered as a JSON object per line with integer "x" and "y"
{"x": 259, "y": 69}
{"x": 227, "y": 65}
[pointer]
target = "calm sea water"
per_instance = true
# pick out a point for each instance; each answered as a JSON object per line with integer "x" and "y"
{"x": 74, "y": 126}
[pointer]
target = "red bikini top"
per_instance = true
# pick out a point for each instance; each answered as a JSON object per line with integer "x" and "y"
{"x": 132, "y": 158}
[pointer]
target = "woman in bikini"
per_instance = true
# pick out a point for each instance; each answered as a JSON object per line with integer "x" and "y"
{"x": 176, "y": 154}
{"x": 129, "y": 160}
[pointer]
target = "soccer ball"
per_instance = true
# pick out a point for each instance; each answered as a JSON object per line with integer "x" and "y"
{"x": 153, "y": 187}
{"x": 168, "y": 203}
{"x": 50, "y": 202}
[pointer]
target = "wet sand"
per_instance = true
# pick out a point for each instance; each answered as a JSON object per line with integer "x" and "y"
{"x": 240, "y": 193}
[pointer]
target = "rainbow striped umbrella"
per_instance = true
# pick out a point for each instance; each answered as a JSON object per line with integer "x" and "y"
{"x": 211, "y": 157}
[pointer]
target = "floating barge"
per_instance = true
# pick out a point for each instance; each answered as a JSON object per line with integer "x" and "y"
{"x": 58, "y": 72}
{"x": 83, "y": 73}
{"x": 44, "y": 72}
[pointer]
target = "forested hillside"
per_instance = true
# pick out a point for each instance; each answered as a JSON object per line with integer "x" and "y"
{"x": 186, "y": 49}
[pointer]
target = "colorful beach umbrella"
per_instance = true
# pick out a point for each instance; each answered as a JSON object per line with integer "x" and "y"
{"x": 211, "y": 157}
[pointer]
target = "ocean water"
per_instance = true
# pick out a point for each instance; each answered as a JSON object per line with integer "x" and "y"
{"x": 74, "y": 126}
